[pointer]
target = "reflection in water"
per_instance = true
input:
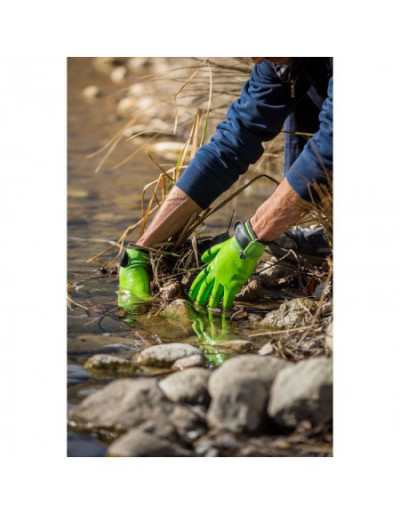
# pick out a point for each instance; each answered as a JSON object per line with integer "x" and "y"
{"x": 211, "y": 328}
{"x": 132, "y": 306}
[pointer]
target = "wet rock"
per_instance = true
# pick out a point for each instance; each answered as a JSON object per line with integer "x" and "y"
{"x": 179, "y": 314}
{"x": 267, "y": 349}
{"x": 124, "y": 404}
{"x": 126, "y": 106}
{"x": 165, "y": 355}
{"x": 236, "y": 345}
{"x": 91, "y": 92}
{"x": 193, "y": 361}
{"x": 118, "y": 74}
{"x": 137, "y": 443}
{"x": 291, "y": 314}
{"x": 112, "y": 363}
{"x": 303, "y": 392}
{"x": 190, "y": 386}
{"x": 240, "y": 390}
{"x": 180, "y": 311}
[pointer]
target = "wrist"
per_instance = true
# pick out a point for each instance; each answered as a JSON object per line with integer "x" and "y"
{"x": 263, "y": 231}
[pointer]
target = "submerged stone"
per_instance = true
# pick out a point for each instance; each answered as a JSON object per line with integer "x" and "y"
{"x": 179, "y": 311}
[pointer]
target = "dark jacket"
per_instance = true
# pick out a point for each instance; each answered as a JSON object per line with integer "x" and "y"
{"x": 297, "y": 97}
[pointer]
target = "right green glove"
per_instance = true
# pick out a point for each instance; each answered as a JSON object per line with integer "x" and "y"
{"x": 134, "y": 278}
{"x": 230, "y": 265}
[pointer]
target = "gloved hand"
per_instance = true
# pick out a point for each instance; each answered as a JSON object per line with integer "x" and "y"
{"x": 230, "y": 264}
{"x": 134, "y": 279}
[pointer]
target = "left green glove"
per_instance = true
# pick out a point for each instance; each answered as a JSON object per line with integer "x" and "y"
{"x": 230, "y": 265}
{"x": 134, "y": 278}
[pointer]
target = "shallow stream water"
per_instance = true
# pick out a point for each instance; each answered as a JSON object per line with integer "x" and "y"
{"x": 100, "y": 206}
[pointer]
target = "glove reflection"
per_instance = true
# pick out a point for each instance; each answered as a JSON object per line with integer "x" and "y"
{"x": 132, "y": 306}
{"x": 210, "y": 328}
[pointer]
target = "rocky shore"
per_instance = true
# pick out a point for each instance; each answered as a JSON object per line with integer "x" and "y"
{"x": 174, "y": 382}
{"x": 167, "y": 400}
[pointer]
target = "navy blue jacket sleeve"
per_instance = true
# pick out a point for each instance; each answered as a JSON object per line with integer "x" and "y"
{"x": 314, "y": 164}
{"x": 257, "y": 116}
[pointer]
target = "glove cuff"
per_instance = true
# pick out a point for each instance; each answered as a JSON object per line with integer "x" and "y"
{"x": 135, "y": 257}
{"x": 247, "y": 240}
{"x": 244, "y": 234}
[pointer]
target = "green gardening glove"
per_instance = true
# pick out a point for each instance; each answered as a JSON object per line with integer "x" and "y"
{"x": 230, "y": 264}
{"x": 134, "y": 279}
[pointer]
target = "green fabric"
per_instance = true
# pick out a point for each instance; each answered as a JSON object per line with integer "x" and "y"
{"x": 134, "y": 279}
{"x": 229, "y": 267}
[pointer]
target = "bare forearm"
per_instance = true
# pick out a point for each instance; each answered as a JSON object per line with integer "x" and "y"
{"x": 173, "y": 215}
{"x": 282, "y": 210}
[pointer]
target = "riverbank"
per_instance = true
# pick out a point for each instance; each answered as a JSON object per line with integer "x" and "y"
{"x": 179, "y": 382}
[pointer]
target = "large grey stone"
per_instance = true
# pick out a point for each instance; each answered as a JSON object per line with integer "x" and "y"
{"x": 190, "y": 386}
{"x": 263, "y": 368}
{"x": 240, "y": 390}
{"x": 123, "y": 404}
{"x": 164, "y": 355}
{"x": 303, "y": 392}
{"x": 137, "y": 443}
{"x": 291, "y": 314}
{"x": 138, "y": 403}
